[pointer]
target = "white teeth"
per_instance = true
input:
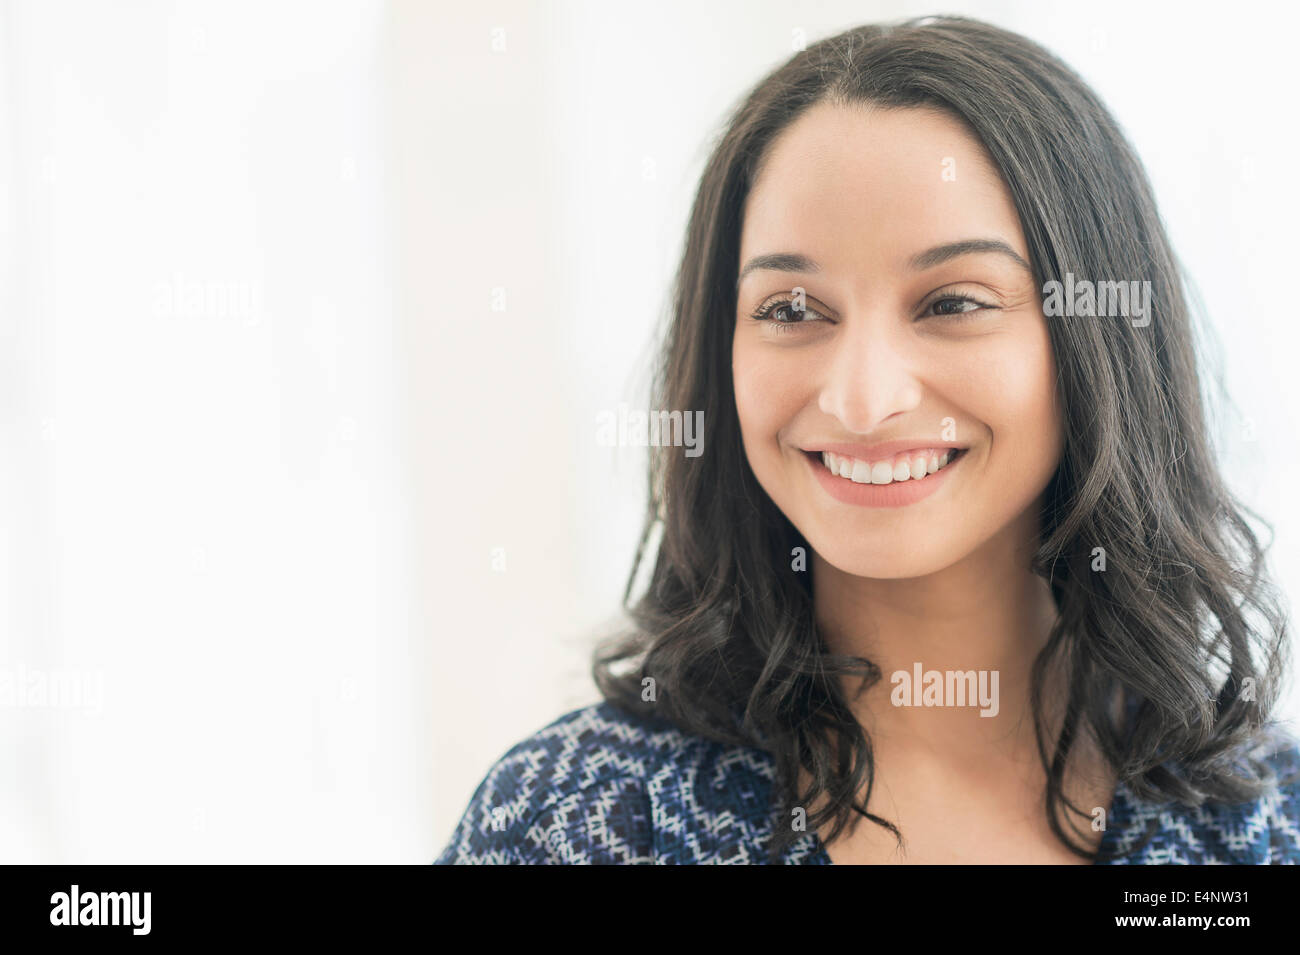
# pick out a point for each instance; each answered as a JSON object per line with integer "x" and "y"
{"x": 910, "y": 468}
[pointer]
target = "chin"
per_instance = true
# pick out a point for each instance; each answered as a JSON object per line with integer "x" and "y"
{"x": 861, "y": 562}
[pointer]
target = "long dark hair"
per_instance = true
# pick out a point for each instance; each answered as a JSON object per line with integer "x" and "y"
{"x": 1183, "y": 624}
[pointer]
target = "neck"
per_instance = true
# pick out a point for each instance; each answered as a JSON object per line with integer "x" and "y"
{"x": 988, "y": 612}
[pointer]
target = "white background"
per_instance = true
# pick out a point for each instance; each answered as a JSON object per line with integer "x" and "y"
{"x": 306, "y": 308}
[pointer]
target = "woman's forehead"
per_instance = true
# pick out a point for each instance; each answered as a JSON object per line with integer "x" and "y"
{"x": 854, "y": 185}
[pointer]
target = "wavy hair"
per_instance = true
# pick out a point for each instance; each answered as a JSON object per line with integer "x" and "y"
{"x": 1184, "y": 619}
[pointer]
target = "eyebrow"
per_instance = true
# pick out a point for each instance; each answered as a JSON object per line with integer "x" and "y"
{"x": 794, "y": 262}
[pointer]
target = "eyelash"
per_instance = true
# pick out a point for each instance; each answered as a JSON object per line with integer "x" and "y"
{"x": 767, "y": 308}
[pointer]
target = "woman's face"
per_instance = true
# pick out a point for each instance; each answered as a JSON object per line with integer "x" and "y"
{"x": 919, "y": 331}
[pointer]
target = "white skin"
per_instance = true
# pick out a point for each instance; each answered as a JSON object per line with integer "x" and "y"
{"x": 945, "y": 581}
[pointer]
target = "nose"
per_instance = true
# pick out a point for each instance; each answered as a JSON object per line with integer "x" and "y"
{"x": 869, "y": 378}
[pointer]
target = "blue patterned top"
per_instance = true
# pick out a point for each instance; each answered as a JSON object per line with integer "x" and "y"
{"x": 601, "y": 786}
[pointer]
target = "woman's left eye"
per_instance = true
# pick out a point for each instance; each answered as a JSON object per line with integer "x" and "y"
{"x": 964, "y": 304}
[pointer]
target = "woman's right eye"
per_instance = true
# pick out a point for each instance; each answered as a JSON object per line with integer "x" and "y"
{"x": 782, "y": 311}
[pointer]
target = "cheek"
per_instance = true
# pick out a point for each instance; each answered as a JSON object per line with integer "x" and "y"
{"x": 1018, "y": 400}
{"x": 767, "y": 395}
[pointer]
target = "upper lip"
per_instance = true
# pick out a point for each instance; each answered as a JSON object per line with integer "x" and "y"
{"x": 885, "y": 449}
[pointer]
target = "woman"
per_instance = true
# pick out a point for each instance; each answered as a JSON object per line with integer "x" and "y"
{"x": 956, "y": 578}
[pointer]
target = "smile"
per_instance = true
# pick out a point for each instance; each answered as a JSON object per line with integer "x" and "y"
{"x": 893, "y": 481}
{"x": 908, "y": 466}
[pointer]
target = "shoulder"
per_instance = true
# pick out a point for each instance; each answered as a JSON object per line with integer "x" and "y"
{"x": 600, "y": 785}
{"x": 1260, "y": 831}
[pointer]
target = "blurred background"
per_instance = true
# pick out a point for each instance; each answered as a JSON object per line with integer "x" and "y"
{"x": 308, "y": 312}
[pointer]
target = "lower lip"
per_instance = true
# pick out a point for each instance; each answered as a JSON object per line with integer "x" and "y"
{"x": 894, "y": 494}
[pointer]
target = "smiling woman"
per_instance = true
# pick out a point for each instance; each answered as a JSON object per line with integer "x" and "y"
{"x": 911, "y": 468}
{"x": 922, "y": 331}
